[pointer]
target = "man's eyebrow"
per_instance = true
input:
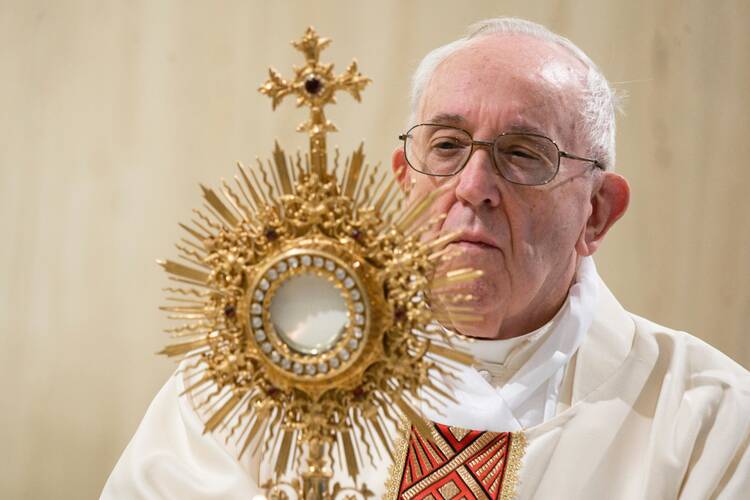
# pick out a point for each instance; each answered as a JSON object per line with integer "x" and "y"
{"x": 456, "y": 119}
{"x": 525, "y": 129}
{"x": 448, "y": 119}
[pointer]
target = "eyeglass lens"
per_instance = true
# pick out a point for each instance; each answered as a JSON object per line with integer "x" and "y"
{"x": 443, "y": 151}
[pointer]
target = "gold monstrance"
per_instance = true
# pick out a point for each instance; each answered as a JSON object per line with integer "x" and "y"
{"x": 304, "y": 298}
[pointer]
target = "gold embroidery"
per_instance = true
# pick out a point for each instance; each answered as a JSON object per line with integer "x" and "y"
{"x": 455, "y": 462}
{"x": 449, "y": 490}
{"x": 504, "y": 475}
{"x": 492, "y": 463}
{"x": 440, "y": 442}
{"x": 421, "y": 457}
{"x": 517, "y": 451}
{"x": 496, "y": 475}
{"x": 458, "y": 432}
{"x": 396, "y": 470}
{"x": 472, "y": 484}
{"x": 492, "y": 450}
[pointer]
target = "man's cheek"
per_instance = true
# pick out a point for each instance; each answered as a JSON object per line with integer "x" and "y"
{"x": 435, "y": 215}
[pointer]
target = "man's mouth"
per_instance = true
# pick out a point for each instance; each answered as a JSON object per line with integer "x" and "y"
{"x": 474, "y": 240}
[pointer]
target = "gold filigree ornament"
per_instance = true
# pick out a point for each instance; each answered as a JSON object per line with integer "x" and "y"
{"x": 305, "y": 301}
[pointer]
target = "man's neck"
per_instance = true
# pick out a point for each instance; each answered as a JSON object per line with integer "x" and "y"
{"x": 548, "y": 300}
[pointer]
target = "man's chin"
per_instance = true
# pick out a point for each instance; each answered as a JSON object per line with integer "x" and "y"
{"x": 472, "y": 308}
{"x": 482, "y": 293}
{"x": 486, "y": 258}
{"x": 482, "y": 296}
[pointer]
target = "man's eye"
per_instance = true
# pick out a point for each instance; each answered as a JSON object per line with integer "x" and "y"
{"x": 522, "y": 153}
{"x": 446, "y": 145}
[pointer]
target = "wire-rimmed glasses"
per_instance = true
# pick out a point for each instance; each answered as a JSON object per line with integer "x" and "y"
{"x": 521, "y": 158}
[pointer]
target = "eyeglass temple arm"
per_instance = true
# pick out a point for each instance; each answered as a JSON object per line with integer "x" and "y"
{"x": 581, "y": 158}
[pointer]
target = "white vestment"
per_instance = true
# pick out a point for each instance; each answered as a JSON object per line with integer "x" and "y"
{"x": 608, "y": 405}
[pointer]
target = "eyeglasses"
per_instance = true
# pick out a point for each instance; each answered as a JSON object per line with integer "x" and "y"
{"x": 521, "y": 158}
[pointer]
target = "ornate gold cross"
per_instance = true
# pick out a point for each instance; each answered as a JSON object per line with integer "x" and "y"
{"x": 315, "y": 85}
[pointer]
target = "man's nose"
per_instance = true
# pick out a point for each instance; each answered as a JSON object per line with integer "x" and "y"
{"x": 478, "y": 181}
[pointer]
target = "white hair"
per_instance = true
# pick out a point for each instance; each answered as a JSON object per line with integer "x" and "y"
{"x": 599, "y": 100}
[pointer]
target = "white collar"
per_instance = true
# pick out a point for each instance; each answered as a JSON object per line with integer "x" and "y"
{"x": 501, "y": 351}
{"x": 537, "y": 380}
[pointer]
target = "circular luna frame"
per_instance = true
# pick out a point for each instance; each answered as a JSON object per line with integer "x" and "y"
{"x": 309, "y": 315}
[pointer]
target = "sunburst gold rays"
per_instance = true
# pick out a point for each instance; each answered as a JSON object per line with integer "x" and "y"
{"x": 451, "y": 308}
{"x": 189, "y": 330}
{"x": 208, "y": 224}
{"x": 257, "y": 203}
{"x": 234, "y": 416}
{"x": 365, "y": 188}
{"x": 275, "y": 204}
{"x": 374, "y": 423}
{"x": 268, "y": 188}
{"x": 191, "y": 255}
{"x": 252, "y": 194}
{"x": 224, "y": 210}
{"x": 184, "y": 271}
{"x": 284, "y": 451}
{"x": 183, "y": 300}
{"x": 261, "y": 188}
{"x": 219, "y": 415}
{"x": 282, "y": 170}
{"x": 269, "y": 214}
{"x": 455, "y": 276}
{"x": 257, "y": 421}
{"x": 186, "y": 292}
{"x": 236, "y": 202}
{"x": 363, "y": 438}
{"x": 438, "y": 393}
{"x": 366, "y": 180}
{"x": 352, "y": 172}
{"x": 212, "y": 402}
{"x": 414, "y": 416}
{"x": 219, "y": 206}
{"x": 417, "y": 209}
{"x": 212, "y": 225}
{"x": 195, "y": 234}
{"x": 184, "y": 347}
{"x": 349, "y": 455}
{"x": 244, "y": 192}
{"x": 452, "y": 354}
{"x": 201, "y": 382}
{"x": 183, "y": 309}
{"x": 260, "y": 191}
{"x": 365, "y": 441}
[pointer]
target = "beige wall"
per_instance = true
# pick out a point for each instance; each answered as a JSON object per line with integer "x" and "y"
{"x": 112, "y": 112}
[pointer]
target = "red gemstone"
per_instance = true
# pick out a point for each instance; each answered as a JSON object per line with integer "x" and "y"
{"x": 356, "y": 233}
{"x": 271, "y": 234}
{"x": 400, "y": 314}
{"x": 313, "y": 85}
{"x": 229, "y": 311}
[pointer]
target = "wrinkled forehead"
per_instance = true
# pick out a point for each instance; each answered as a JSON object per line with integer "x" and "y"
{"x": 506, "y": 82}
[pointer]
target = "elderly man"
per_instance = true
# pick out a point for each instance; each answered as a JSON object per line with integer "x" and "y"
{"x": 573, "y": 397}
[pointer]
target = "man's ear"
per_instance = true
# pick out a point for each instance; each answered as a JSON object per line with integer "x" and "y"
{"x": 400, "y": 167}
{"x": 608, "y": 204}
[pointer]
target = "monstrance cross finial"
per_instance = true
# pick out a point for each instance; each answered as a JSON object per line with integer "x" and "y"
{"x": 315, "y": 85}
